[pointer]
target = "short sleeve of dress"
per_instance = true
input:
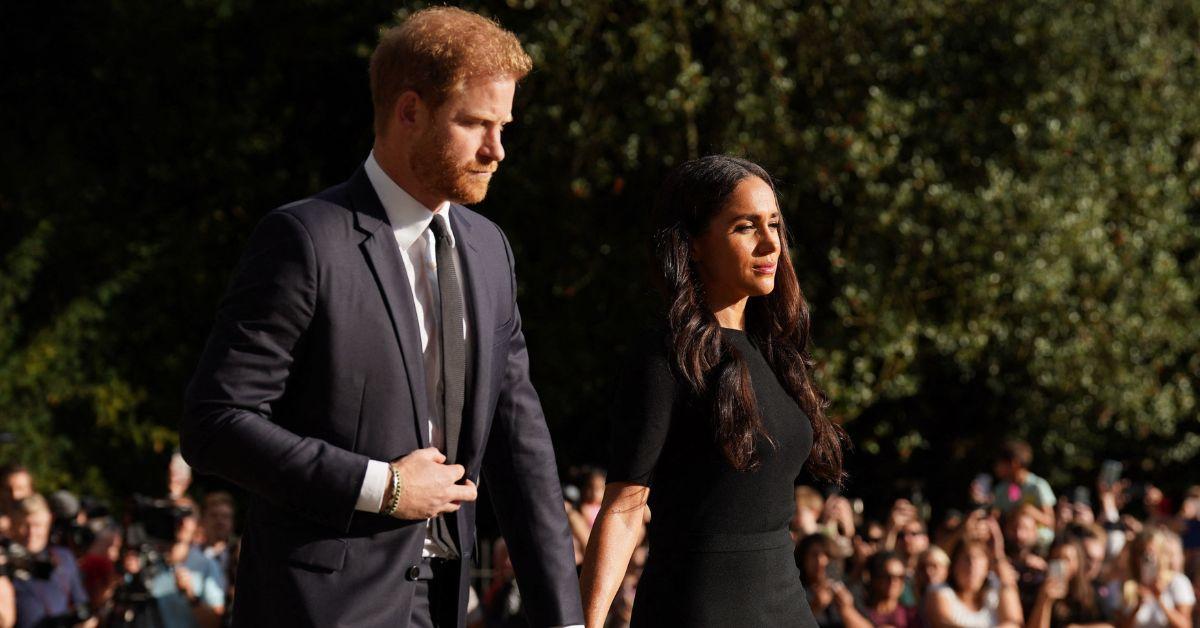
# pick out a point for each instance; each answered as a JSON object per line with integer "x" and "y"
{"x": 641, "y": 416}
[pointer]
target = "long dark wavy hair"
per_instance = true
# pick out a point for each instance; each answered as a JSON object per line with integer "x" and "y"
{"x": 777, "y": 323}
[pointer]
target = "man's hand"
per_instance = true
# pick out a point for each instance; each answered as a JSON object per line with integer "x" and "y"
{"x": 428, "y": 486}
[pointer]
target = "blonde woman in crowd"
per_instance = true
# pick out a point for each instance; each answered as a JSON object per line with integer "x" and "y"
{"x": 1155, "y": 594}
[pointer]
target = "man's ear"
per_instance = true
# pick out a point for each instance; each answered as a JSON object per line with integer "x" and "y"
{"x": 410, "y": 110}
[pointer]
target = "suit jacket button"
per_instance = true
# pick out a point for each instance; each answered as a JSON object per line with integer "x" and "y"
{"x": 414, "y": 573}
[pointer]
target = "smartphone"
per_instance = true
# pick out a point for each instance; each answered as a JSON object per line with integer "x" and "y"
{"x": 1149, "y": 570}
{"x": 1110, "y": 472}
{"x": 1057, "y": 570}
{"x": 1082, "y": 496}
{"x": 982, "y": 487}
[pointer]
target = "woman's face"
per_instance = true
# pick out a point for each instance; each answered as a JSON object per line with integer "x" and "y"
{"x": 891, "y": 581}
{"x": 932, "y": 571}
{"x": 815, "y": 562}
{"x": 1070, "y": 558}
{"x": 971, "y": 570}
{"x": 739, "y": 251}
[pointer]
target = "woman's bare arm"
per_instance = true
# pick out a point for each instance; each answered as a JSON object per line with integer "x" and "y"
{"x": 616, "y": 534}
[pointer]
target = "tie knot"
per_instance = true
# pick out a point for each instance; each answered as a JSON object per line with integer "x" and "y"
{"x": 438, "y": 226}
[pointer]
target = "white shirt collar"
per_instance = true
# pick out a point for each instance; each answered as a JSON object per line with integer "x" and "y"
{"x": 408, "y": 217}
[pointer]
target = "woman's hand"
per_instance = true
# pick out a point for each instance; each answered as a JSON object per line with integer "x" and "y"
{"x": 1054, "y": 588}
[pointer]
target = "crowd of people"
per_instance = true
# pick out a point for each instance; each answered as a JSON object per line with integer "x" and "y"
{"x": 1019, "y": 555}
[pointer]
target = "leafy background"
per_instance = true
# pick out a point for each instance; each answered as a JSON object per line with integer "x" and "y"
{"x": 993, "y": 205}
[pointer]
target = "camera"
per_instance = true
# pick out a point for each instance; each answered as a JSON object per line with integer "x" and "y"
{"x": 154, "y": 521}
{"x": 18, "y": 563}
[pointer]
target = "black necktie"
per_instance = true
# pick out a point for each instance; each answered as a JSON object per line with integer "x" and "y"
{"x": 454, "y": 346}
{"x": 454, "y": 359}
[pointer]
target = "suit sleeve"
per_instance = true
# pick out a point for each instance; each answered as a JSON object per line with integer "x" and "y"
{"x": 228, "y": 427}
{"x": 522, "y": 479}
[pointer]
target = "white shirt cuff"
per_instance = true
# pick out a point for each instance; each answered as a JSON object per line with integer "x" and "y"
{"x": 375, "y": 484}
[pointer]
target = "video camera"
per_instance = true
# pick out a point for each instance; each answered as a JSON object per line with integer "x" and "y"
{"x": 18, "y": 563}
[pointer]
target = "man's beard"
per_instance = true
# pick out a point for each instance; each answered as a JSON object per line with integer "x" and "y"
{"x": 439, "y": 173}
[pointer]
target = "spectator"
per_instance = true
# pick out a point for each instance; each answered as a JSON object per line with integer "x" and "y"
{"x": 190, "y": 591}
{"x": 1021, "y": 547}
{"x": 981, "y": 591}
{"x": 933, "y": 567}
{"x": 52, "y": 588}
{"x": 830, "y": 600}
{"x": 1066, "y": 596}
{"x": 1094, "y": 564}
{"x": 911, "y": 541}
{"x": 16, "y": 484}
{"x": 1155, "y": 595}
{"x": 217, "y": 521}
{"x": 887, "y": 583}
{"x": 1018, "y": 485}
{"x": 865, "y": 544}
{"x": 98, "y": 564}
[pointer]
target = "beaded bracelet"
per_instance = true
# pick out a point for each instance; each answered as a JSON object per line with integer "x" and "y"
{"x": 394, "y": 502}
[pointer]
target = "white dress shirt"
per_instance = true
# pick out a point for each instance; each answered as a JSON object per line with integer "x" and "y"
{"x": 418, "y": 251}
{"x": 410, "y": 225}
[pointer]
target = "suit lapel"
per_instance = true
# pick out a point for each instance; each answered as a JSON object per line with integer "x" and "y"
{"x": 480, "y": 311}
{"x": 383, "y": 257}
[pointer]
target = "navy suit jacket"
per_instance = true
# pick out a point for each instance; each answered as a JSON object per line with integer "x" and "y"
{"x": 314, "y": 366}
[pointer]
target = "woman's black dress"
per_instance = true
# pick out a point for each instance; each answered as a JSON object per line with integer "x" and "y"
{"x": 720, "y": 552}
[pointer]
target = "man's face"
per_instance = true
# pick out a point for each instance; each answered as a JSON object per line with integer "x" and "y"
{"x": 33, "y": 531}
{"x": 459, "y": 148}
{"x": 19, "y": 486}
{"x": 218, "y": 523}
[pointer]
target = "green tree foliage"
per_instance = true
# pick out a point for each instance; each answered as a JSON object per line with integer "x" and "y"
{"x": 993, "y": 207}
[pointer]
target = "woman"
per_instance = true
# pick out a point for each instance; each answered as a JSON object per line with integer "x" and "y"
{"x": 830, "y": 599}
{"x": 933, "y": 567}
{"x": 1156, "y": 595}
{"x": 981, "y": 591}
{"x": 716, "y": 419}
{"x": 1066, "y": 596}
{"x": 883, "y": 606}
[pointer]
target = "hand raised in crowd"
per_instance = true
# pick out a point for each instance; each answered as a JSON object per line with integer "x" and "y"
{"x": 183, "y": 581}
{"x": 837, "y": 510}
{"x": 428, "y": 486}
{"x": 1005, "y": 572}
{"x": 1053, "y": 588}
{"x": 902, "y": 513}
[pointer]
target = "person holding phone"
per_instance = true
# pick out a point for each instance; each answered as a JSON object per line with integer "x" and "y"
{"x": 981, "y": 591}
{"x": 1154, "y": 595}
{"x": 1067, "y": 597}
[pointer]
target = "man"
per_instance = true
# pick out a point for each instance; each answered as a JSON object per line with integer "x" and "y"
{"x": 16, "y": 484}
{"x": 47, "y": 587}
{"x": 378, "y": 322}
{"x": 217, "y": 524}
{"x": 1018, "y": 485}
{"x": 190, "y": 591}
